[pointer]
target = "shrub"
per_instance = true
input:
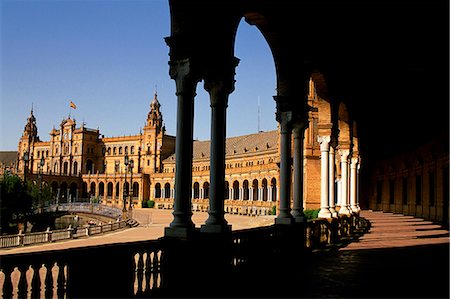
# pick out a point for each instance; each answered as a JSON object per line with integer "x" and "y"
{"x": 273, "y": 211}
{"x": 148, "y": 204}
{"x": 311, "y": 214}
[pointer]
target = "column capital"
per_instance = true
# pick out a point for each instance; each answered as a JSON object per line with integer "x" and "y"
{"x": 344, "y": 154}
{"x": 354, "y": 161}
{"x": 184, "y": 73}
{"x": 324, "y": 141}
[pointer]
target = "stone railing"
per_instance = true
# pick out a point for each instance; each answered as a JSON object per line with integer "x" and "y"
{"x": 233, "y": 263}
{"x": 90, "y": 208}
{"x": 48, "y": 236}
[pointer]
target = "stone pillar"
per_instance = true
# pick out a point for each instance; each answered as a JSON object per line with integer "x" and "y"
{"x": 332, "y": 182}
{"x": 353, "y": 184}
{"x": 284, "y": 117}
{"x": 299, "y": 135}
{"x": 324, "y": 176}
{"x": 358, "y": 207}
{"x": 186, "y": 82}
{"x": 344, "y": 210}
{"x": 219, "y": 84}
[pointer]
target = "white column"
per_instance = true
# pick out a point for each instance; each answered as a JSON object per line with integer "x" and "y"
{"x": 269, "y": 193}
{"x": 357, "y": 186}
{"x": 250, "y": 195}
{"x": 324, "y": 177}
{"x": 332, "y": 183}
{"x": 339, "y": 192}
{"x": 241, "y": 192}
{"x": 353, "y": 183}
{"x": 344, "y": 183}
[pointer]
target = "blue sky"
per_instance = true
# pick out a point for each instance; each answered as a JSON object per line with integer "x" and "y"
{"x": 107, "y": 57}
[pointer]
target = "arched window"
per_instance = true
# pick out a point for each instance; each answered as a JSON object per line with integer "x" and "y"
{"x": 101, "y": 189}
{"x": 75, "y": 168}
{"x": 126, "y": 188}
{"x": 167, "y": 190}
{"x": 273, "y": 185}
{"x": 135, "y": 189}
{"x": 245, "y": 189}
{"x": 157, "y": 190}
{"x": 109, "y": 151}
{"x": 55, "y": 168}
{"x": 92, "y": 189}
{"x": 264, "y": 189}
{"x": 126, "y": 149}
{"x": 117, "y": 189}
{"x": 89, "y": 166}
{"x": 196, "y": 190}
{"x": 65, "y": 168}
{"x": 255, "y": 189}
{"x": 235, "y": 190}
{"x": 73, "y": 192}
{"x": 205, "y": 190}
{"x": 109, "y": 189}
{"x": 114, "y": 151}
{"x": 226, "y": 190}
{"x": 132, "y": 150}
{"x": 120, "y": 150}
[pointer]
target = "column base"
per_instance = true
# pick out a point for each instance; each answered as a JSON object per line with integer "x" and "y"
{"x": 333, "y": 212}
{"x": 299, "y": 219}
{"x": 215, "y": 228}
{"x": 284, "y": 220}
{"x": 324, "y": 213}
{"x": 344, "y": 211}
{"x": 183, "y": 233}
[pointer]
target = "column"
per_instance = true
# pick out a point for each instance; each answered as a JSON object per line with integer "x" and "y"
{"x": 324, "y": 177}
{"x": 344, "y": 210}
{"x": 353, "y": 184}
{"x": 299, "y": 135}
{"x": 219, "y": 84}
{"x": 331, "y": 182}
{"x": 186, "y": 81}
{"x": 284, "y": 117}
{"x": 358, "y": 207}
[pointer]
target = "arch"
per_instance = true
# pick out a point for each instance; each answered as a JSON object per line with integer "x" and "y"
{"x": 73, "y": 192}
{"x": 109, "y": 151}
{"x": 54, "y": 187}
{"x": 55, "y": 168}
{"x": 65, "y": 168}
{"x": 63, "y": 192}
{"x": 205, "y": 190}
{"x": 235, "y": 190}
{"x": 157, "y": 190}
{"x": 126, "y": 149}
{"x": 264, "y": 189}
{"x": 109, "y": 189}
{"x": 166, "y": 190}
{"x": 89, "y": 166}
{"x": 92, "y": 189}
{"x": 120, "y": 150}
{"x": 114, "y": 151}
{"x": 101, "y": 189}
{"x": 126, "y": 189}
{"x": 135, "y": 189}
{"x": 132, "y": 149}
{"x": 245, "y": 190}
{"x": 255, "y": 184}
{"x": 226, "y": 189}
{"x": 273, "y": 185}
{"x": 117, "y": 195}
{"x": 84, "y": 190}
{"x": 196, "y": 190}
{"x": 344, "y": 125}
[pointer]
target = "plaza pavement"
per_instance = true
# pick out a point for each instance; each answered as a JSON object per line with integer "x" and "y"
{"x": 152, "y": 224}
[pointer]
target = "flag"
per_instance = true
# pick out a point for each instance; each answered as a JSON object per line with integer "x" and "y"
{"x": 72, "y": 105}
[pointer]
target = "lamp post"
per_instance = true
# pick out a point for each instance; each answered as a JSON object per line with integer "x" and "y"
{"x": 41, "y": 166}
{"x": 126, "y": 161}
{"x": 130, "y": 207}
{"x": 26, "y": 157}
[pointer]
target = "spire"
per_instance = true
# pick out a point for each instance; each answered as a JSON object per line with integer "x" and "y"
{"x": 155, "y": 103}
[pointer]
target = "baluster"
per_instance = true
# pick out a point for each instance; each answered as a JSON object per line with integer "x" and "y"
{"x": 147, "y": 272}
{"x": 36, "y": 282}
{"x": 156, "y": 270}
{"x": 22, "y": 291}
{"x": 140, "y": 273}
{"x": 49, "y": 280}
{"x": 61, "y": 281}
{"x": 7, "y": 284}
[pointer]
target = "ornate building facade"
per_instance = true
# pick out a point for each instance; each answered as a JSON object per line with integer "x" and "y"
{"x": 80, "y": 164}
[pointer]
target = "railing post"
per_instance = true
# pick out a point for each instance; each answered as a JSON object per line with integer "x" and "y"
{"x": 20, "y": 236}
{"x": 70, "y": 230}
{"x": 49, "y": 234}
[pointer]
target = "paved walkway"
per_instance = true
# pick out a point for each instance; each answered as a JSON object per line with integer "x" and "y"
{"x": 399, "y": 257}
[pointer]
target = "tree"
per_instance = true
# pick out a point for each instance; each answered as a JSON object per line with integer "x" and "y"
{"x": 16, "y": 203}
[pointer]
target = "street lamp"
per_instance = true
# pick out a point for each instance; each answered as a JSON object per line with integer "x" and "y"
{"x": 126, "y": 161}
{"x": 26, "y": 157}
{"x": 131, "y": 184}
{"x": 41, "y": 166}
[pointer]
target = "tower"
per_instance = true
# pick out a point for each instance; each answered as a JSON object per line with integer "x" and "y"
{"x": 153, "y": 132}
{"x": 26, "y": 142}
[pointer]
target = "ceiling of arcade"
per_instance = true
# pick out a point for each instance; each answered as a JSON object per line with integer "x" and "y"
{"x": 386, "y": 60}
